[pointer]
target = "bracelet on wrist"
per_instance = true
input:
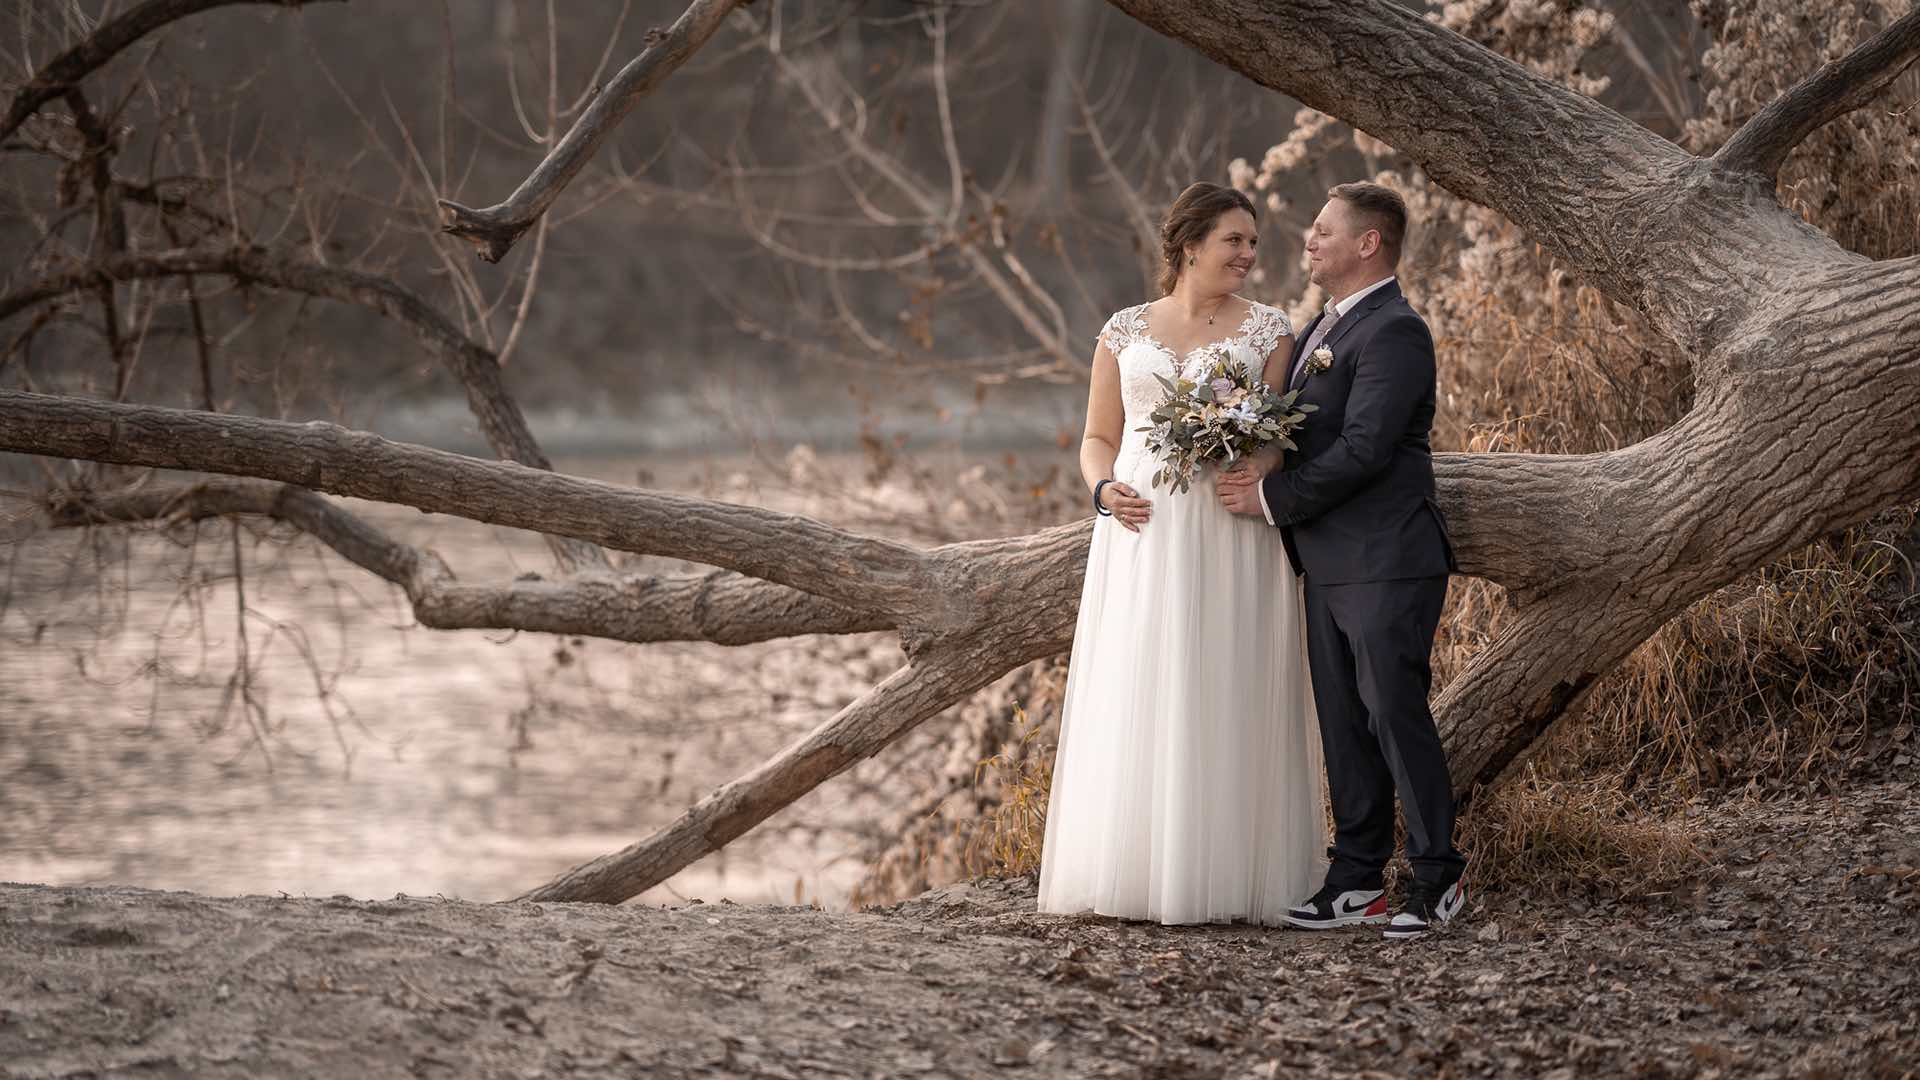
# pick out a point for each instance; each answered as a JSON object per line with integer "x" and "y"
{"x": 1097, "y": 508}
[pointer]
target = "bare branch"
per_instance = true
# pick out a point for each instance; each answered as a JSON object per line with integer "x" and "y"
{"x": 1024, "y": 594}
{"x": 1763, "y": 143}
{"x": 956, "y": 169}
{"x": 475, "y": 366}
{"x": 65, "y": 71}
{"x": 926, "y": 201}
{"x": 494, "y": 229}
{"x": 1146, "y": 232}
{"x": 719, "y": 607}
{"x": 876, "y": 575}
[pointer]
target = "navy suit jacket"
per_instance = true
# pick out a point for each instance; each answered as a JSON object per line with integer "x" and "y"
{"x": 1355, "y": 502}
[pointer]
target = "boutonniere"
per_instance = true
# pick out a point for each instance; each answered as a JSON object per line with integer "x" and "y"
{"x": 1319, "y": 360}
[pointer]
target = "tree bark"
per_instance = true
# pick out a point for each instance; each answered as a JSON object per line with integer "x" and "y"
{"x": 1762, "y": 145}
{"x": 719, "y": 607}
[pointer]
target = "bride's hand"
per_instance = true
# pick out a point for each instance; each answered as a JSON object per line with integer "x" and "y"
{"x": 1129, "y": 509}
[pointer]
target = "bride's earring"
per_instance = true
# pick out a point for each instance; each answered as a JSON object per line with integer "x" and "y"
{"x": 1189, "y": 260}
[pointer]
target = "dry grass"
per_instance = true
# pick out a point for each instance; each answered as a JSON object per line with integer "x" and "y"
{"x": 1570, "y": 836}
{"x": 1008, "y": 840}
{"x": 1797, "y": 677}
{"x": 985, "y": 811}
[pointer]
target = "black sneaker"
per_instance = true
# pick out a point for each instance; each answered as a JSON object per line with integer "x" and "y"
{"x": 1428, "y": 905}
{"x": 1333, "y": 907}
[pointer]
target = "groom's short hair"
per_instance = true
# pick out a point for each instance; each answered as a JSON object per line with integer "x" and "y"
{"x": 1380, "y": 208}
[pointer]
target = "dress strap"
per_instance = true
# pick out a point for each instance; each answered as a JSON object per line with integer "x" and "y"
{"x": 1123, "y": 328}
{"x": 1268, "y": 326}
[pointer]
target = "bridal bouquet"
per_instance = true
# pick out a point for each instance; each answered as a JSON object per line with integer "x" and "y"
{"x": 1221, "y": 417}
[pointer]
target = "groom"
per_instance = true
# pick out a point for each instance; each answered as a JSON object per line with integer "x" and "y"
{"x": 1355, "y": 509}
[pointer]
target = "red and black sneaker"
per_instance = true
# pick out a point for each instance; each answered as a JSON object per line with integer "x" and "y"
{"x": 1333, "y": 907}
{"x": 1429, "y": 904}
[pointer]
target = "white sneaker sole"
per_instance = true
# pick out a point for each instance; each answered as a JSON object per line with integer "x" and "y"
{"x": 1337, "y": 923}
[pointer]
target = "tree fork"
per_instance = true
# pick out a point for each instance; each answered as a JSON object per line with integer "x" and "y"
{"x": 493, "y": 230}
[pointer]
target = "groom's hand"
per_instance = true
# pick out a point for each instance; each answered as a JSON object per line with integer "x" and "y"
{"x": 1239, "y": 489}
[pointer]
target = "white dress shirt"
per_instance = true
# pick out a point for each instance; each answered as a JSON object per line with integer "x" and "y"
{"x": 1340, "y": 310}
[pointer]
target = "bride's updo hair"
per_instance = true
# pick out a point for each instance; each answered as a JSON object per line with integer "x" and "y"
{"x": 1189, "y": 220}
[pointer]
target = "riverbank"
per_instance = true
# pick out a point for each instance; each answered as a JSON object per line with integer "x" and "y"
{"x": 1795, "y": 956}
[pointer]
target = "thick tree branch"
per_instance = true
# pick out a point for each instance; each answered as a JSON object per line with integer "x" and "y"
{"x": 1521, "y": 520}
{"x": 1802, "y": 429}
{"x": 474, "y": 365}
{"x": 1616, "y": 203}
{"x": 1763, "y": 143}
{"x": 1632, "y": 537}
{"x": 856, "y": 571}
{"x": 107, "y": 41}
{"x": 719, "y": 607}
{"x": 493, "y": 230}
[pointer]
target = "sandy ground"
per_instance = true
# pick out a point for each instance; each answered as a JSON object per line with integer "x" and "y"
{"x": 1797, "y": 957}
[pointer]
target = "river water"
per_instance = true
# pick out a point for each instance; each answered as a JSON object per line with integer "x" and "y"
{"x": 386, "y": 758}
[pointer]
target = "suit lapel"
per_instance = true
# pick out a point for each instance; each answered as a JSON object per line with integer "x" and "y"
{"x": 1296, "y": 377}
{"x": 1375, "y": 300}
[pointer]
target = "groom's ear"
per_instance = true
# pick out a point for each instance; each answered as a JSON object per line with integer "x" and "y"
{"x": 1369, "y": 243}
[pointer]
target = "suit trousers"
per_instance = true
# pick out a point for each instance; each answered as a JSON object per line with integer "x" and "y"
{"x": 1368, "y": 648}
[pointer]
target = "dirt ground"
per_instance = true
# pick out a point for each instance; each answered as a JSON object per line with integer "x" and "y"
{"x": 1797, "y": 957}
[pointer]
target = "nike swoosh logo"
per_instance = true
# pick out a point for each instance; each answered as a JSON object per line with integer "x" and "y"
{"x": 1347, "y": 907}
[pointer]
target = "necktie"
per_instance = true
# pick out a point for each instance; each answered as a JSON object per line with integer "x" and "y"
{"x": 1314, "y": 340}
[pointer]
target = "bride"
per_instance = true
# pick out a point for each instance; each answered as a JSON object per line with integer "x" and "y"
{"x": 1187, "y": 786}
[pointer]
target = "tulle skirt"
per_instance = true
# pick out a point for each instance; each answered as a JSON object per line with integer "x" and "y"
{"x": 1188, "y": 786}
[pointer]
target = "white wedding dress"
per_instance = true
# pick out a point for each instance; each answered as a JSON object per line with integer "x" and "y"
{"x": 1188, "y": 783}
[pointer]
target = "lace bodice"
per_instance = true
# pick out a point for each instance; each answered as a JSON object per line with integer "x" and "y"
{"x": 1141, "y": 357}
